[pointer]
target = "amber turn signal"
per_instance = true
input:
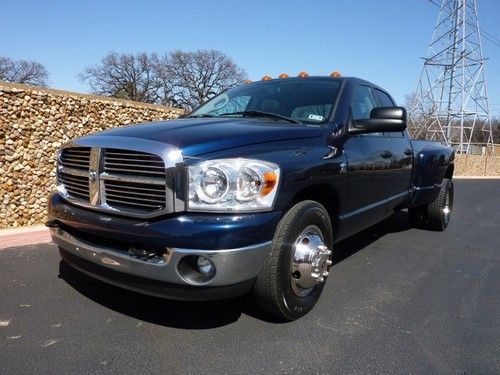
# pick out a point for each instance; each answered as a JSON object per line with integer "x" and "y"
{"x": 269, "y": 183}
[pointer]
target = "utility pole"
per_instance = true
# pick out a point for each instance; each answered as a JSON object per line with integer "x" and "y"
{"x": 451, "y": 102}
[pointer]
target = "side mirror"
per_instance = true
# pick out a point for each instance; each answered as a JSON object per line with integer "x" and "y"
{"x": 382, "y": 119}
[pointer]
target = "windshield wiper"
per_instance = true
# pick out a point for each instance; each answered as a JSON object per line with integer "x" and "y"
{"x": 200, "y": 115}
{"x": 254, "y": 113}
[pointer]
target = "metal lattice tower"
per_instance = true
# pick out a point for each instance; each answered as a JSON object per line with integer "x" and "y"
{"x": 451, "y": 102}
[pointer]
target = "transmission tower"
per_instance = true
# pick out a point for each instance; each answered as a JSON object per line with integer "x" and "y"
{"x": 451, "y": 101}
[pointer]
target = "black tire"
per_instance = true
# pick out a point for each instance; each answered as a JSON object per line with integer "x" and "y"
{"x": 273, "y": 290}
{"x": 435, "y": 215}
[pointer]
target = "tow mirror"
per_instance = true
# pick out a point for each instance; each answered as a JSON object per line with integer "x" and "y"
{"x": 382, "y": 119}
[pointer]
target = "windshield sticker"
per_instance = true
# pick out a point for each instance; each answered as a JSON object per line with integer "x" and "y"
{"x": 316, "y": 117}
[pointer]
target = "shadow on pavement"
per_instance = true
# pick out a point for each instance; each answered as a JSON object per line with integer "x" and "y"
{"x": 396, "y": 223}
{"x": 206, "y": 315}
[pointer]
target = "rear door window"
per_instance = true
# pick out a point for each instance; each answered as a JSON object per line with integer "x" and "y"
{"x": 385, "y": 100}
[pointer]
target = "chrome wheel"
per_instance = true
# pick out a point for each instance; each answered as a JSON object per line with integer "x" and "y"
{"x": 310, "y": 261}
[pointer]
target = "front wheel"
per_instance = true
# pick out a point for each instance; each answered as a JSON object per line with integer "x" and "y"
{"x": 297, "y": 264}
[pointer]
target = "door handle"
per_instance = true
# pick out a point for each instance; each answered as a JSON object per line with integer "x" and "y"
{"x": 408, "y": 152}
{"x": 386, "y": 154}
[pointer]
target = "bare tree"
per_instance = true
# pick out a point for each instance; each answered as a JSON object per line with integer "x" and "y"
{"x": 23, "y": 71}
{"x": 125, "y": 76}
{"x": 190, "y": 78}
{"x": 181, "y": 79}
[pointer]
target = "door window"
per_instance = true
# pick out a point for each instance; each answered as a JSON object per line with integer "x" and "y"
{"x": 362, "y": 103}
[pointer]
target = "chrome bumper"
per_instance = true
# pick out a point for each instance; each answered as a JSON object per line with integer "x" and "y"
{"x": 232, "y": 265}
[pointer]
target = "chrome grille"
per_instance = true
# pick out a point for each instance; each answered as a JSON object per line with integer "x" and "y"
{"x": 116, "y": 180}
{"x": 73, "y": 175}
{"x": 76, "y": 186}
{"x": 135, "y": 196}
{"x": 133, "y": 162}
{"x": 136, "y": 180}
{"x": 78, "y": 158}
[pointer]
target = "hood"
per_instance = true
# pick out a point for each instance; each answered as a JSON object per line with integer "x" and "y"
{"x": 195, "y": 137}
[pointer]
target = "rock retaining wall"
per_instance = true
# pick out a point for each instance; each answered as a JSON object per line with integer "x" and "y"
{"x": 34, "y": 122}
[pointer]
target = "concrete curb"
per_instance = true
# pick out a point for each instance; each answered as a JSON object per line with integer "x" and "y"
{"x": 13, "y": 237}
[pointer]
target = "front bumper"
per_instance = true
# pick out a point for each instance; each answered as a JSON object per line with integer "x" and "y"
{"x": 98, "y": 245}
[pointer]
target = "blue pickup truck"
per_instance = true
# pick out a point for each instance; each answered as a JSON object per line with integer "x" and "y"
{"x": 248, "y": 193}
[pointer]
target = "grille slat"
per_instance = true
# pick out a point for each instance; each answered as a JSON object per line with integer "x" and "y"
{"x": 131, "y": 182}
{"x": 110, "y": 190}
{"x": 135, "y": 203}
{"x": 75, "y": 185}
{"x": 74, "y": 165}
{"x": 133, "y": 197}
{"x": 68, "y": 159}
{"x": 158, "y": 167}
{"x": 142, "y": 171}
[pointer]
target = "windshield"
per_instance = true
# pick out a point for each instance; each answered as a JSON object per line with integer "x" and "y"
{"x": 302, "y": 100}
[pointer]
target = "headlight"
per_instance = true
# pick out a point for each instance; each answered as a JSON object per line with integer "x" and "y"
{"x": 232, "y": 185}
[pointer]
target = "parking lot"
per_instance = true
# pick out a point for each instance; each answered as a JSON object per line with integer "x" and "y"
{"x": 399, "y": 300}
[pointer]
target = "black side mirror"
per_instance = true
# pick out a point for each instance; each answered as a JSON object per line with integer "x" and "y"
{"x": 382, "y": 119}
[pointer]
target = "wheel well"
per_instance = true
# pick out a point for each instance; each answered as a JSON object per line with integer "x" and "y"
{"x": 323, "y": 194}
{"x": 449, "y": 171}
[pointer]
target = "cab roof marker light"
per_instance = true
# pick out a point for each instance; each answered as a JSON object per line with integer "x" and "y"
{"x": 266, "y": 78}
{"x": 247, "y": 81}
{"x": 283, "y": 76}
{"x": 303, "y": 74}
{"x": 335, "y": 74}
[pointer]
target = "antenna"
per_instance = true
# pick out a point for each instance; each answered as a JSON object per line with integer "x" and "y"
{"x": 451, "y": 102}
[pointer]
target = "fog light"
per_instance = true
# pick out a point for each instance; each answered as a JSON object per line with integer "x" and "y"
{"x": 196, "y": 270}
{"x": 205, "y": 266}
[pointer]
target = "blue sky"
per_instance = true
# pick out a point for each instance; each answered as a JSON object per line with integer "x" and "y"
{"x": 380, "y": 40}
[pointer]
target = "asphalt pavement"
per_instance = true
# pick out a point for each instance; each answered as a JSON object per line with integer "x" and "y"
{"x": 399, "y": 300}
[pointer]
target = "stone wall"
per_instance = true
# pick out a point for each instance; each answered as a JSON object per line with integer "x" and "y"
{"x": 34, "y": 122}
{"x": 477, "y": 165}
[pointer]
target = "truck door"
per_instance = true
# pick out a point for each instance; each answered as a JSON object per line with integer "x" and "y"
{"x": 401, "y": 160}
{"x": 368, "y": 167}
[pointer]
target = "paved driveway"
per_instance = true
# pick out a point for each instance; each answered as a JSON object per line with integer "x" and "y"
{"x": 398, "y": 300}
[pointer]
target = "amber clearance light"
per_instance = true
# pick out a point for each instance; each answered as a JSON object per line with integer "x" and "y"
{"x": 303, "y": 74}
{"x": 266, "y": 78}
